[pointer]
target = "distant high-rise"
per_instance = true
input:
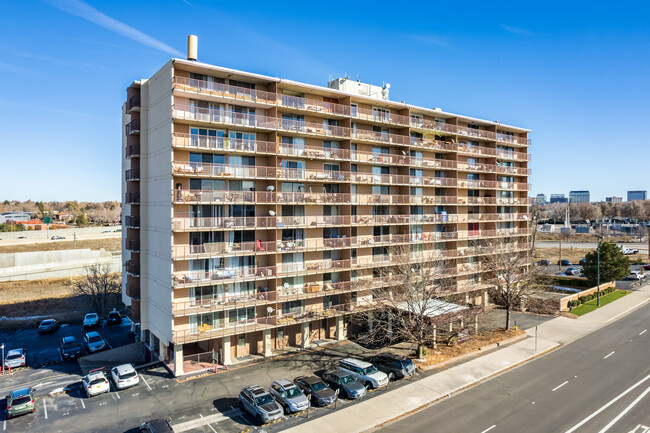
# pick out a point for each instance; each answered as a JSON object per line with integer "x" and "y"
{"x": 540, "y": 199}
{"x": 579, "y": 197}
{"x": 614, "y": 199}
{"x": 636, "y": 195}
{"x": 557, "y": 198}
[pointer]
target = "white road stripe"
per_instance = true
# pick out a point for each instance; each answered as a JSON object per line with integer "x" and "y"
{"x": 627, "y": 409}
{"x": 559, "y": 386}
{"x": 488, "y": 429}
{"x": 212, "y": 428}
{"x": 643, "y": 332}
{"x": 608, "y": 404}
{"x": 45, "y": 407}
{"x": 609, "y": 354}
{"x": 4, "y": 425}
{"x": 82, "y": 403}
{"x": 627, "y": 311}
{"x": 145, "y": 382}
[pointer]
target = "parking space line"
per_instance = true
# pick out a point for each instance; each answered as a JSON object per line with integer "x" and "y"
{"x": 45, "y": 407}
{"x": 82, "y": 403}
{"x": 145, "y": 382}
{"x": 643, "y": 332}
{"x": 559, "y": 386}
{"x": 609, "y": 354}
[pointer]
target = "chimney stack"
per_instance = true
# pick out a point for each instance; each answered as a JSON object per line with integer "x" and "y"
{"x": 192, "y": 47}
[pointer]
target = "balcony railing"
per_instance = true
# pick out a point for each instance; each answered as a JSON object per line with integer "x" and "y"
{"x": 132, "y": 222}
{"x": 133, "y": 104}
{"x": 181, "y": 278}
{"x": 133, "y": 245}
{"x": 321, "y": 107}
{"x": 491, "y": 168}
{"x": 133, "y": 288}
{"x": 490, "y": 184}
{"x": 132, "y": 174}
{"x": 133, "y": 150}
{"x": 133, "y": 127}
{"x": 132, "y": 268}
{"x": 132, "y": 198}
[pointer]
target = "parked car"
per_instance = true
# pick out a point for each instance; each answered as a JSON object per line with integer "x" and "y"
{"x": 16, "y": 358}
{"x": 124, "y": 376}
{"x": 628, "y": 250}
{"x": 544, "y": 263}
{"x": 394, "y": 365}
{"x": 583, "y": 262}
{"x": 70, "y": 348}
{"x": 290, "y": 397}
{"x": 345, "y": 383}
{"x": 573, "y": 271}
{"x": 635, "y": 275}
{"x": 48, "y": 326}
{"x": 113, "y": 318}
{"x": 156, "y": 426}
{"x": 56, "y": 238}
{"x": 94, "y": 342}
{"x": 91, "y": 320}
{"x": 367, "y": 373}
{"x": 321, "y": 394}
{"x": 22, "y": 237}
{"x": 564, "y": 263}
{"x": 20, "y": 402}
{"x": 95, "y": 383}
{"x": 260, "y": 404}
{"x": 646, "y": 267}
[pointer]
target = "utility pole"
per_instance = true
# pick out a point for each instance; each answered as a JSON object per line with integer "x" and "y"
{"x": 74, "y": 235}
{"x": 598, "y": 273}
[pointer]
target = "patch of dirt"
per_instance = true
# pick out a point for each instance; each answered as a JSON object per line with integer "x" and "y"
{"x": 575, "y": 254}
{"x": 484, "y": 338}
{"x": 582, "y": 237}
{"x": 109, "y": 244}
{"x": 14, "y": 292}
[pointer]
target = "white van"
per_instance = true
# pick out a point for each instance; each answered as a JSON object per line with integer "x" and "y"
{"x": 365, "y": 372}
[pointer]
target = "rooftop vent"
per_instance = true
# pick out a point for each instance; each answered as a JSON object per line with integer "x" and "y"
{"x": 192, "y": 47}
{"x": 359, "y": 88}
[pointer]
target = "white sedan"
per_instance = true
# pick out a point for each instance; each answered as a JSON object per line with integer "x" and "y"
{"x": 124, "y": 376}
{"x": 95, "y": 383}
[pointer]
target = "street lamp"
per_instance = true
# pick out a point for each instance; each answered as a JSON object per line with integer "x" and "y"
{"x": 3, "y": 358}
{"x": 598, "y": 273}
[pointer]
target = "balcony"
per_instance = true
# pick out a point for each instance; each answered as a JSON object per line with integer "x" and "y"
{"x": 490, "y": 184}
{"x": 132, "y": 269}
{"x": 133, "y": 104}
{"x": 218, "y": 276}
{"x": 132, "y": 222}
{"x": 133, "y": 288}
{"x": 202, "y": 142}
{"x": 132, "y": 174}
{"x": 491, "y": 168}
{"x": 133, "y": 150}
{"x": 133, "y": 127}
{"x": 313, "y": 105}
{"x": 232, "y": 93}
{"x": 133, "y": 245}
{"x": 132, "y": 198}
{"x": 380, "y": 117}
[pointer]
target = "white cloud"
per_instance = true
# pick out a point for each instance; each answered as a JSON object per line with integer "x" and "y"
{"x": 516, "y": 30}
{"x": 87, "y": 12}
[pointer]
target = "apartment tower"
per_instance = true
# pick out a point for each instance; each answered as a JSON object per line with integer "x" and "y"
{"x": 254, "y": 205}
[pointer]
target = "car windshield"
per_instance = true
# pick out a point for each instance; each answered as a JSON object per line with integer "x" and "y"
{"x": 21, "y": 400}
{"x": 70, "y": 345}
{"x": 406, "y": 363}
{"x": 348, "y": 379}
{"x": 91, "y": 316}
{"x": 369, "y": 370}
{"x": 318, "y": 386}
{"x": 47, "y": 322}
{"x": 265, "y": 399}
{"x": 14, "y": 356}
{"x": 128, "y": 375}
{"x": 293, "y": 392}
{"x": 97, "y": 381}
{"x": 95, "y": 339}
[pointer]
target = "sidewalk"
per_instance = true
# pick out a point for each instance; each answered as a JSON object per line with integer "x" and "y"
{"x": 393, "y": 404}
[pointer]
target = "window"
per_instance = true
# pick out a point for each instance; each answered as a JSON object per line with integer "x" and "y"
{"x": 331, "y": 167}
{"x": 241, "y": 315}
{"x": 416, "y": 190}
{"x": 354, "y": 110}
{"x": 293, "y": 122}
{"x": 380, "y": 189}
{"x": 292, "y": 187}
{"x": 293, "y": 307}
{"x": 417, "y": 120}
{"x": 241, "y": 341}
{"x": 242, "y": 115}
{"x": 207, "y": 320}
{"x": 331, "y": 144}
{"x": 380, "y": 114}
{"x": 416, "y": 157}
{"x": 243, "y": 84}
{"x": 293, "y": 99}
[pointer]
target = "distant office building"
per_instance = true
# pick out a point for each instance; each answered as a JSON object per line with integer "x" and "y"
{"x": 614, "y": 199}
{"x": 14, "y": 216}
{"x": 540, "y": 199}
{"x": 557, "y": 198}
{"x": 636, "y": 195}
{"x": 579, "y": 197}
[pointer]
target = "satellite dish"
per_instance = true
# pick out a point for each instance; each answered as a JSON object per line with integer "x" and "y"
{"x": 272, "y": 213}
{"x": 388, "y": 85}
{"x": 270, "y": 188}
{"x": 286, "y": 285}
{"x": 269, "y": 310}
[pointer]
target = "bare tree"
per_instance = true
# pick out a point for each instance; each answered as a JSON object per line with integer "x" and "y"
{"x": 408, "y": 303}
{"x": 101, "y": 286}
{"x": 508, "y": 273}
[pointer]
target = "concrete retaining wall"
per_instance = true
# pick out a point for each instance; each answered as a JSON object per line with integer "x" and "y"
{"x": 134, "y": 353}
{"x": 53, "y": 264}
{"x": 564, "y": 302}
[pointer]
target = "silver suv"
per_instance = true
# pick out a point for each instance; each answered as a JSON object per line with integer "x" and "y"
{"x": 289, "y": 396}
{"x": 258, "y": 402}
{"x": 365, "y": 372}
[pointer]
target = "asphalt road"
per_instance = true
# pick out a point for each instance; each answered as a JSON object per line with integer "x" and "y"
{"x": 597, "y": 384}
{"x": 643, "y": 246}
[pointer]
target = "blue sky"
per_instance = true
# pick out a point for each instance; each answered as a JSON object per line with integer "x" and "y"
{"x": 576, "y": 73}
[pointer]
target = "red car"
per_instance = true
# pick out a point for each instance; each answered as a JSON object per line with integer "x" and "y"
{"x": 646, "y": 267}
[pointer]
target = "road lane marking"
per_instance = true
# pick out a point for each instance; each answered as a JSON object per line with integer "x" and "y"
{"x": 4, "y": 425}
{"x": 560, "y": 386}
{"x": 609, "y": 354}
{"x": 45, "y": 407}
{"x": 145, "y": 382}
{"x": 212, "y": 428}
{"x": 608, "y": 404}
{"x": 627, "y": 311}
{"x": 82, "y": 403}
{"x": 643, "y": 332}
{"x": 626, "y": 410}
{"x": 488, "y": 429}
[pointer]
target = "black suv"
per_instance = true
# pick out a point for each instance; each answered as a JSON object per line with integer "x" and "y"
{"x": 70, "y": 348}
{"x": 394, "y": 365}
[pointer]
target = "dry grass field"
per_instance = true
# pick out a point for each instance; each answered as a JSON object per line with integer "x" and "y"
{"x": 575, "y": 254}
{"x": 109, "y": 244}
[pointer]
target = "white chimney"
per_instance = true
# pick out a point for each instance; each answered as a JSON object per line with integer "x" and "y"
{"x": 192, "y": 47}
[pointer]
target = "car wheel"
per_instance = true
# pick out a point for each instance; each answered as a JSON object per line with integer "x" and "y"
{"x": 259, "y": 419}
{"x": 391, "y": 376}
{"x": 287, "y": 411}
{"x": 368, "y": 385}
